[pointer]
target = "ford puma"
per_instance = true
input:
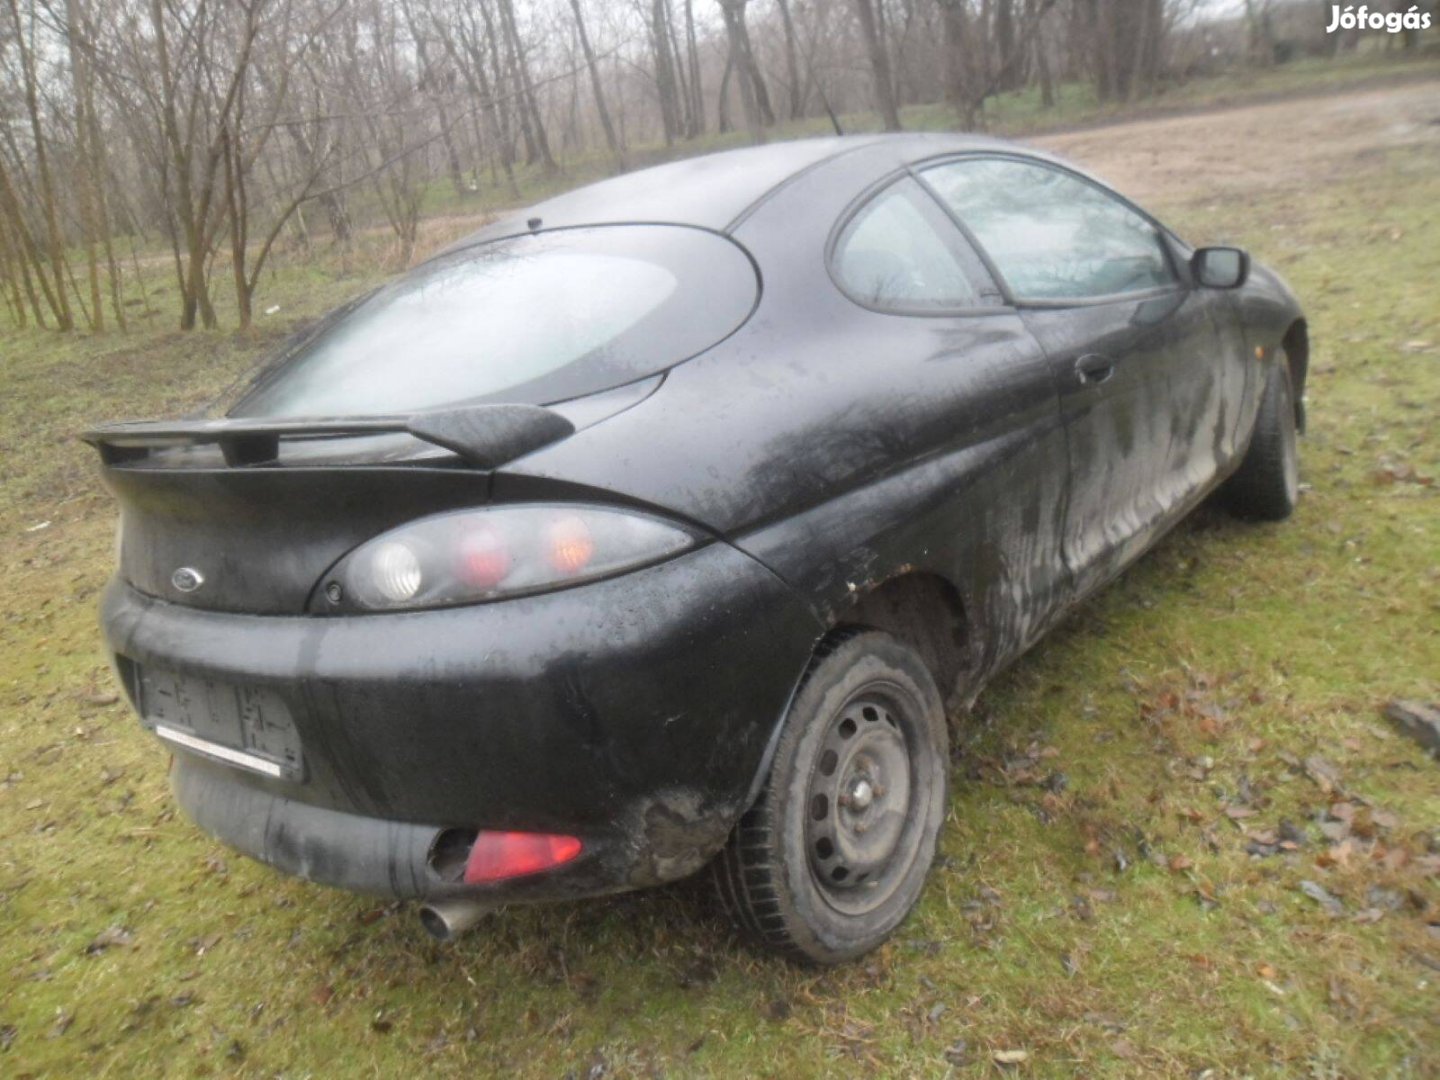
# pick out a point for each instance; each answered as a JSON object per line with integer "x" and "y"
{"x": 660, "y": 526}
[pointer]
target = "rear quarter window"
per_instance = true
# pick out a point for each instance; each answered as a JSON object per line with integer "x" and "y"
{"x": 538, "y": 318}
{"x": 899, "y": 253}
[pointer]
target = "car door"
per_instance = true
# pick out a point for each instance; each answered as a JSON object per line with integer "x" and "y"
{"x": 981, "y": 419}
{"x": 1215, "y": 388}
{"x": 1129, "y": 343}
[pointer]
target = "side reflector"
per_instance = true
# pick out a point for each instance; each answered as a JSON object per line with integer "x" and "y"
{"x": 500, "y": 855}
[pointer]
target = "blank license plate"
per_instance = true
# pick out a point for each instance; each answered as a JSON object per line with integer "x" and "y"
{"x": 246, "y": 726}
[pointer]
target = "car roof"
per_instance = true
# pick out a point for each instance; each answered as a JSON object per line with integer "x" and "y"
{"x": 714, "y": 191}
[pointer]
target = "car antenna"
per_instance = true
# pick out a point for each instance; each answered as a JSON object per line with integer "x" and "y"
{"x": 533, "y": 224}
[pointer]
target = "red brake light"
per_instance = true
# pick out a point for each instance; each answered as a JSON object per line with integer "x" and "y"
{"x": 484, "y": 559}
{"x": 500, "y": 855}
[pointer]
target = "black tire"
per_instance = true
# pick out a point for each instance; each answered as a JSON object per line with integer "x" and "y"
{"x": 1267, "y": 484}
{"x": 827, "y": 864}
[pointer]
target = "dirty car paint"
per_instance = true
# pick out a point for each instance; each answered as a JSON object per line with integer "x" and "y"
{"x": 943, "y": 476}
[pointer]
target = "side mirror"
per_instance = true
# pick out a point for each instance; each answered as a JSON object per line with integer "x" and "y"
{"x": 1220, "y": 267}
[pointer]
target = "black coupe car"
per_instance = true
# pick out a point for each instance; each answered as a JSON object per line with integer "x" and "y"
{"x": 659, "y": 525}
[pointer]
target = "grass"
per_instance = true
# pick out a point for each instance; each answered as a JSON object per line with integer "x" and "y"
{"x": 1095, "y": 907}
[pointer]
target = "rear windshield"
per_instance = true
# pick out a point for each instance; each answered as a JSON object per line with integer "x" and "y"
{"x": 537, "y": 319}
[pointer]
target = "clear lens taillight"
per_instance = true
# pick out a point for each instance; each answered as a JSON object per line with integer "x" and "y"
{"x": 473, "y": 555}
{"x": 395, "y": 572}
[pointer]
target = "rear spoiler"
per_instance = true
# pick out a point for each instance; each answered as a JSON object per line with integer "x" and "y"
{"x": 485, "y": 436}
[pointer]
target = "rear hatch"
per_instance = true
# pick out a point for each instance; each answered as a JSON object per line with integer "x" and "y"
{"x": 257, "y": 540}
{"x": 405, "y": 404}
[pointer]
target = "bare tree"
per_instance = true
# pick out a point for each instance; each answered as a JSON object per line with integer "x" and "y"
{"x": 666, "y": 87}
{"x": 532, "y": 124}
{"x": 243, "y": 143}
{"x": 792, "y": 62}
{"x": 465, "y": 41}
{"x": 879, "y": 64}
{"x": 90, "y": 172}
{"x": 754, "y": 98}
{"x": 597, "y": 87}
{"x": 211, "y": 128}
{"x": 697, "y": 89}
{"x": 44, "y": 181}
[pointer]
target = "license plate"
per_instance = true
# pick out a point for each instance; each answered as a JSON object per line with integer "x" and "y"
{"x": 247, "y": 726}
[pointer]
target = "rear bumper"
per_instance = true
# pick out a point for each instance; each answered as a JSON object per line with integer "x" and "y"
{"x": 350, "y": 851}
{"x": 634, "y": 713}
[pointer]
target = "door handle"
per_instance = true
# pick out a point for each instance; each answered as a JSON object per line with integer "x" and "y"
{"x": 1092, "y": 369}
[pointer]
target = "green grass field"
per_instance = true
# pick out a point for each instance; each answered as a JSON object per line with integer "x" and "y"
{"x": 1138, "y": 805}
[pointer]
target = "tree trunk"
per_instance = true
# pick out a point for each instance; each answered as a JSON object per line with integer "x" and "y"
{"x": 754, "y": 98}
{"x": 525, "y": 86}
{"x": 1006, "y": 78}
{"x": 665, "y": 87}
{"x": 430, "y": 86}
{"x": 879, "y": 66}
{"x": 689, "y": 121}
{"x": 598, "y": 88}
{"x": 88, "y": 183}
{"x": 469, "y": 56}
{"x": 100, "y": 172}
{"x": 966, "y": 81}
{"x": 792, "y": 62}
{"x": 734, "y": 14}
{"x": 239, "y": 222}
{"x": 722, "y": 103}
{"x": 11, "y": 266}
{"x": 697, "y": 94}
{"x": 757, "y": 78}
{"x": 50, "y": 207}
{"x": 27, "y": 251}
{"x": 1042, "y": 65}
{"x": 496, "y": 80}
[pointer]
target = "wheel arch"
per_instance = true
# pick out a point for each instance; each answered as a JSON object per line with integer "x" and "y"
{"x": 1296, "y": 344}
{"x": 919, "y": 608}
{"x": 925, "y": 611}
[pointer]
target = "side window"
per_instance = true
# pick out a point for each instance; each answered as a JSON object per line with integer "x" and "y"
{"x": 901, "y": 253}
{"x": 1051, "y": 235}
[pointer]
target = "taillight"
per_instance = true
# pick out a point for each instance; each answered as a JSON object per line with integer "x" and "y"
{"x": 472, "y": 555}
{"x": 570, "y": 545}
{"x": 484, "y": 558}
{"x": 500, "y": 855}
{"x": 395, "y": 572}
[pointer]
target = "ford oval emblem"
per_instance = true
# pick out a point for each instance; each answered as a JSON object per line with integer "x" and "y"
{"x": 187, "y": 579}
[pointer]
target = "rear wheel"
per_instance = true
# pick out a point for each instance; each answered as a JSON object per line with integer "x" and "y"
{"x": 1267, "y": 484}
{"x": 834, "y": 854}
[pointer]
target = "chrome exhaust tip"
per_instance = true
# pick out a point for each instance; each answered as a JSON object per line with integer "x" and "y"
{"x": 445, "y": 920}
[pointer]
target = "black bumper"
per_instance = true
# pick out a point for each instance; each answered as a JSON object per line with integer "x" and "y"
{"x": 634, "y": 713}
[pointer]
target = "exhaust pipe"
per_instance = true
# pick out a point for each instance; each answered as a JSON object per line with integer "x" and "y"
{"x": 446, "y": 920}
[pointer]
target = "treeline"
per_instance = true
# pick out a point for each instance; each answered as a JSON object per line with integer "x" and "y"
{"x": 225, "y": 127}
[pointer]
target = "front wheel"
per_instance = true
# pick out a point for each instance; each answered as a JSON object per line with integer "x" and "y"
{"x": 834, "y": 854}
{"x": 1266, "y": 486}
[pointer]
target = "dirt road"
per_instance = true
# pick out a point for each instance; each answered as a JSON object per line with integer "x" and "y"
{"x": 1217, "y": 153}
{"x": 1288, "y": 144}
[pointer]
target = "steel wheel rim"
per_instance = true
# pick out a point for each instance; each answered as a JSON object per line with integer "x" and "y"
{"x": 860, "y": 820}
